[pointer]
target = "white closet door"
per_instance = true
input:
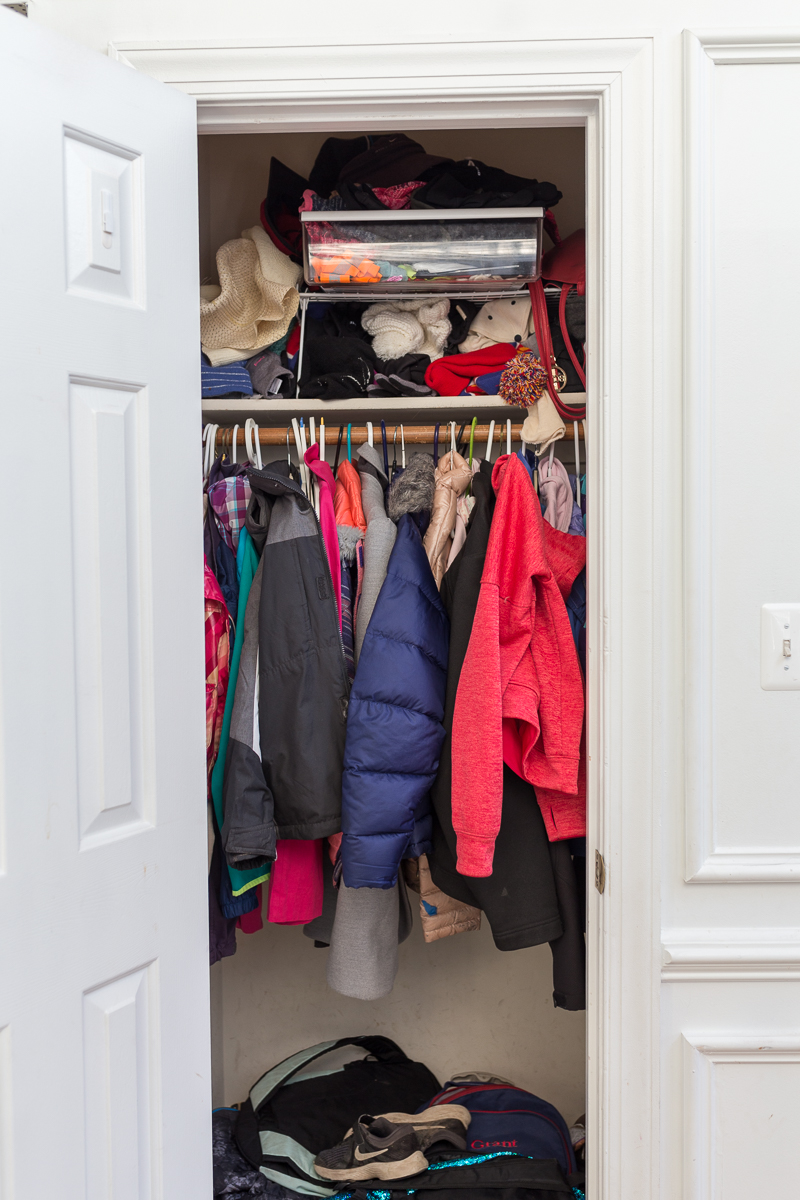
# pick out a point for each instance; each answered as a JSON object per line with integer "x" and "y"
{"x": 731, "y": 1002}
{"x": 104, "y": 1014}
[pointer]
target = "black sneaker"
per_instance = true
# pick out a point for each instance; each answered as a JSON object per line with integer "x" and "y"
{"x": 374, "y": 1149}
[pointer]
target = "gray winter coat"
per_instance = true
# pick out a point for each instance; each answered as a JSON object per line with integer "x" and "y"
{"x": 283, "y": 770}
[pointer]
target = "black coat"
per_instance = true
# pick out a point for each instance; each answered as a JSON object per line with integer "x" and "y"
{"x": 290, "y": 784}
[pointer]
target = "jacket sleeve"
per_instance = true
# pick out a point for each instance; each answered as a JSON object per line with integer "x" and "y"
{"x": 477, "y": 743}
{"x": 248, "y": 830}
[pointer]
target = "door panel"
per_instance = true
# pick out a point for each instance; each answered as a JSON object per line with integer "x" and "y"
{"x": 731, "y": 1006}
{"x": 104, "y": 1010}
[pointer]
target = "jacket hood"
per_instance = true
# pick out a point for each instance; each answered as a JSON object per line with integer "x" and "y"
{"x": 373, "y": 482}
{"x": 349, "y": 537}
{"x": 276, "y": 479}
{"x": 412, "y": 491}
{"x": 347, "y": 498}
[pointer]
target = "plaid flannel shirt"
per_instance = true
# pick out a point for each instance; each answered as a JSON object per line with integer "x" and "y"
{"x": 229, "y": 499}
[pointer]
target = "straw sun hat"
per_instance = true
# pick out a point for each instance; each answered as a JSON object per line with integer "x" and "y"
{"x": 256, "y": 300}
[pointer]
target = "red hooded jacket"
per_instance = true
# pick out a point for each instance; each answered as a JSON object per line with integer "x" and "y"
{"x": 520, "y": 693}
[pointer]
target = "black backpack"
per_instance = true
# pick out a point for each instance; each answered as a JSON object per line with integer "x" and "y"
{"x": 284, "y": 1124}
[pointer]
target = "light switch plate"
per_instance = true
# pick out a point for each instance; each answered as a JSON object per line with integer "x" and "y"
{"x": 104, "y": 223}
{"x": 780, "y": 647}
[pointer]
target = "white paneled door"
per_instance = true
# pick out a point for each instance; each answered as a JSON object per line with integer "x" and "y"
{"x": 104, "y": 1055}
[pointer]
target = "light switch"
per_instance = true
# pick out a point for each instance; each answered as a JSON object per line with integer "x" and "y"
{"x": 105, "y": 236}
{"x": 780, "y": 647}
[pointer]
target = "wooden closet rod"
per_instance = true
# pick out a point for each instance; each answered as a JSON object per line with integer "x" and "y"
{"x": 414, "y": 434}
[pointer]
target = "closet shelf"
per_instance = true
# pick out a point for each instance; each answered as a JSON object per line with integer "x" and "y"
{"x": 362, "y": 408}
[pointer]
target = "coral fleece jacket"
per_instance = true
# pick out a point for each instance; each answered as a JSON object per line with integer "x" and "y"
{"x": 520, "y": 694}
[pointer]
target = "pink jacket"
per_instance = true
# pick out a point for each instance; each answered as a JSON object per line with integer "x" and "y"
{"x": 520, "y": 693}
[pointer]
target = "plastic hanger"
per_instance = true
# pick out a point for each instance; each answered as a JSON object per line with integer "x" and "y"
{"x": 322, "y": 439}
{"x": 299, "y": 447}
{"x": 312, "y": 432}
{"x": 472, "y": 438}
{"x": 349, "y": 443}
{"x": 403, "y": 446}
{"x": 211, "y": 449}
{"x": 460, "y": 447}
{"x": 288, "y": 447}
{"x": 452, "y": 442}
{"x": 369, "y": 433}
{"x": 489, "y": 441}
{"x": 234, "y": 436}
{"x": 435, "y": 446}
{"x": 508, "y": 436}
{"x": 385, "y": 450}
{"x": 251, "y": 442}
{"x": 577, "y": 464}
{"x": 206, "y": 428}
{"x": 394, "y": 453}
{"x": 338, "y": 450}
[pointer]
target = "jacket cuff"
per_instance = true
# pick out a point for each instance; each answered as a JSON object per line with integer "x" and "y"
{"x": 475, "y": 855}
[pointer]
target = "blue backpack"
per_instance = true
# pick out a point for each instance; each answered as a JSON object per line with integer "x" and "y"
{"x": 505, "y": 1119}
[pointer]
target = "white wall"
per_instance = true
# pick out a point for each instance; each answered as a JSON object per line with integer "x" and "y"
{"x": 319, "y": 22}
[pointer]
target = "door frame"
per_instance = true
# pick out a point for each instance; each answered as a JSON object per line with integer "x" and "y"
{"x": 607, "y": 86}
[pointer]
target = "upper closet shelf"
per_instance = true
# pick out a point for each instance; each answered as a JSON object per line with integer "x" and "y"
{"x": 280, "y": 411}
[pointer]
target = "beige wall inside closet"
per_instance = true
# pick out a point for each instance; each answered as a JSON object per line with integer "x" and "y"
{"x": 234, "y": 172}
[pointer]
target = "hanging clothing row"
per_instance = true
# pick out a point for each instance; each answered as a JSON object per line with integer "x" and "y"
{"x": 385, "y": 724}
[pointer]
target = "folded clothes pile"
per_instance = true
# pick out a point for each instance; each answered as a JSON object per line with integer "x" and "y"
{"x": 420, "y": 347}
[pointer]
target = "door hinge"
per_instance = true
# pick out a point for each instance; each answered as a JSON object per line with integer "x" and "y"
{"x": 22, "y": 9}
{"x": 599, "y": 872}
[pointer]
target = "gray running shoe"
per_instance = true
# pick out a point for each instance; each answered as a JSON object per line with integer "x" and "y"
{"x": 374, "y": 1149}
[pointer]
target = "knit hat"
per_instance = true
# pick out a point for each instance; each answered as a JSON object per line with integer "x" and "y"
{"x": 401, "y": 327}
{"x": 499, "y": 321}
{"x": 258, "y": 295}
{"x": 268, "y": 374}
{"x": 524, "y": 380}
{"x": 449, "y": 376}
{"x": 543, "y": 425}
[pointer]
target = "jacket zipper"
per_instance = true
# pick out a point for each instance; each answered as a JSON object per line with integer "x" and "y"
{"x": 342, "y": 660}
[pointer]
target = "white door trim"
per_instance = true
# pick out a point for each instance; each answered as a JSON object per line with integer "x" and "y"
{"x": 607, "y": 86}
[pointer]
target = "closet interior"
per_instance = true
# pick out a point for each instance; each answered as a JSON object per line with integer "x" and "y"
{"x": 458, "y": 1004}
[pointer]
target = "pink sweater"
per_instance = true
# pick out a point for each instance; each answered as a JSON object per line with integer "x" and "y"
{"x": 520, "y": 693}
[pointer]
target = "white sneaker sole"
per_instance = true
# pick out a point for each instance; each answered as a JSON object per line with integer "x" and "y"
{"x": 412, "y": 1165}
{"x": 431, "y": 1116}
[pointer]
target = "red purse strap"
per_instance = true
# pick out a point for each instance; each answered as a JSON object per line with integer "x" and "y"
{"x": 541, "y": 325}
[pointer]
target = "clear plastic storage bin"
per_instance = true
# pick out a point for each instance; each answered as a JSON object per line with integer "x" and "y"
{"x": 422, "y": 250}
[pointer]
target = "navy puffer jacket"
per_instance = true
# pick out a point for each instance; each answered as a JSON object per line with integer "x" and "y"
{"x": 394, "y": 722}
